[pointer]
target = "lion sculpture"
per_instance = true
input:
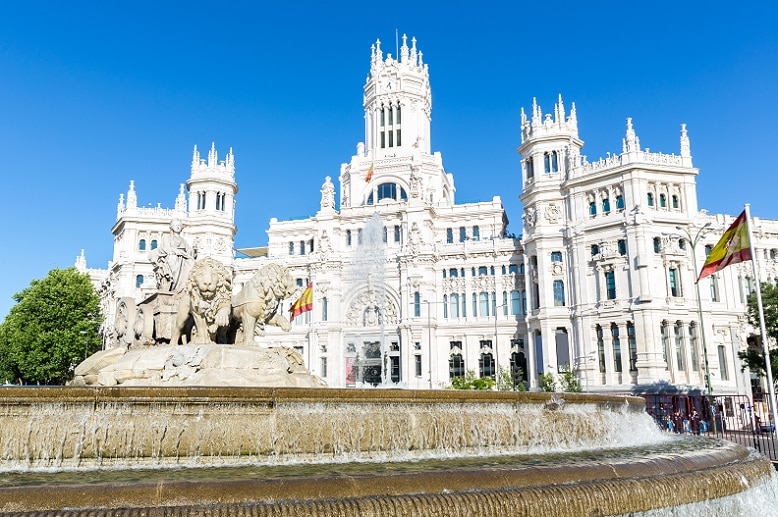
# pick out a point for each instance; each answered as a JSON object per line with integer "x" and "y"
{"x": 259, "y": 302}
{"x": 207, "y": 300}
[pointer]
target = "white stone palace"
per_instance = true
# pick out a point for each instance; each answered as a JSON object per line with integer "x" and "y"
{"x": 411, "y": 288}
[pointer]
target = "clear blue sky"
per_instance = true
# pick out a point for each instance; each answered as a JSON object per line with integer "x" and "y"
{"x": 94, "y": 94}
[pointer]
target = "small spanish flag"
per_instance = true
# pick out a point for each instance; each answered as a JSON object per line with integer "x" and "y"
{"x": 369, "y": 175}
{"x": 733, "y": 247}
{"x": 304, "y": 303}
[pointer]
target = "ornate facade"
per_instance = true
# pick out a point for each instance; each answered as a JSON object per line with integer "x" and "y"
{"x": 411, "y": 288}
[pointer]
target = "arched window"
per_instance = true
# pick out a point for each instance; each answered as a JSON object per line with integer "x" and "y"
{"x": 138, "y": 280}
{"x": 650, "y": 199}
{"x": 592, "y": 209}
{"x": 142, "y": 245}
{"x": 662, "y": 201}
{"x": 154, "y": 244}
{"x": 619, "y": 202}
{"x": 513, "y": 269}
{"x": 674, "y": 201}
{"x": 606, "y": 205}
{"x": 456, "y": 366}
{"x": 595, "y": 250}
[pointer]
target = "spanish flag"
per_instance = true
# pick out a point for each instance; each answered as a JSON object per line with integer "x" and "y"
{"x": 369, "y": 175}
{"x": 733, "y": 247}
{"x": 304, "y": 303}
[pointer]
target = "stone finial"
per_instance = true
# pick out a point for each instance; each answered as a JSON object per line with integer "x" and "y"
{"x": 195, "y": 157}
{"x": 132, "y": 197}
{"x": 212, "y": 156}
{"x": 686, "y": 150}
{"x": 181, "y": 199}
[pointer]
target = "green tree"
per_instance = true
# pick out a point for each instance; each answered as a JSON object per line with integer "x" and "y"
{"x": 753, "y": 358}
{"x": 53, "y": 327}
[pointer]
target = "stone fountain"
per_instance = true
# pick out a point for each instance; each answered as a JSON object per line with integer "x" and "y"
{"x": 302, "y": 451}
{"x": 156, "y": 428}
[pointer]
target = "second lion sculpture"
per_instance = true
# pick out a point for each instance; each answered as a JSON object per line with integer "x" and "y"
{"x": 259, "y": 303}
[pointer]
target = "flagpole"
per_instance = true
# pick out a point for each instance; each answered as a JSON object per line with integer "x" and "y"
{"x": 770, "y": 386}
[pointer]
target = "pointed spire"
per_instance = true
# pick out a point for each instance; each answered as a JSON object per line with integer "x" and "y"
{"x": 181, "y": 199}
{"x": 535, "y": 111}
{"x": 195, "y": 157}
{"x": 132, "y": 197}
{"x": 120, "y": 206}
{"x": 631, "y": 142}
{"x": 212, "y": 156}
{"x": 413, "y": 52}
{"x": 81, "y": 262}
{"x": 404, "y": 54}
{"x": 561, "y": 110}
{"x": 686, "y": 149}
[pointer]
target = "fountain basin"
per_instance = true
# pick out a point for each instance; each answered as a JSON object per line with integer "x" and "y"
{"x": 352, "y": 452}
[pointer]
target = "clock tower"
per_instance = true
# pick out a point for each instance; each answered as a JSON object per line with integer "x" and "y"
{"x": 395, "y": 159}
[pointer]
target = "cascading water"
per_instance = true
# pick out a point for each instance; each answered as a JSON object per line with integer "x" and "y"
{"x": 367, "y": 277}
{"x": 338, "y": 452}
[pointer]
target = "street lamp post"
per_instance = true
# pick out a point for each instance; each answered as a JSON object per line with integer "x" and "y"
{"x": 693, "y": 243}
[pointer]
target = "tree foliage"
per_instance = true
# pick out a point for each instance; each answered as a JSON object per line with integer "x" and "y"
{"x": 753, "y": 358}
{"x": 53, "y": 327}
{"x": 471, "y": 382}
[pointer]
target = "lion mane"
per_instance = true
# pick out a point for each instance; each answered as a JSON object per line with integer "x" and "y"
{"x": 259, "y": 302}
{"x": 206, "y": 300}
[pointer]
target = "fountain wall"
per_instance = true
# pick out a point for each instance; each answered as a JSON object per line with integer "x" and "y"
{"x": 181, "y": 451}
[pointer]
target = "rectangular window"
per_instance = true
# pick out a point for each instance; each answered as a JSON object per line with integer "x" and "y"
{"x": 680, "y": 353}
{"x": 291, "y": 248}
{"x": 456, "y": 365}
{"x": 323, "y": 366}
{"x": 391, "y": 138}
{"x": 610, "y": 284}
{"x": 417, "y": 362}
{"x": 664, "y": 330}
{"x": 324, "y": 309}
{"x": 600, "y": 348}
{"x": 693, "y": 347}
{"x": 476, "y": 233}
{"x": 449, "y": 235}
{"x": 675, "y": 288}
{"x": 394, "y": 368}
{"x": 559, "y": 293}
{"x": 302, "y": 247}
{"x": 475, "y": 305}
{"x": 417, "y": 304}
{"x": 483, "y": 307}
{"x": 714, "y": 288}
{"x": 383, "y": 140}
{"x": 462, "y": 234}
{"x": 399, "y": 137}
{"x": 633, "y": 348}
{"x": 616, "y": 348}
{"x": 397, "y": 233}
{"x": 348, "y": 237}
{"x": 556, "y": 256}
{"x": 723, "y": 363}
